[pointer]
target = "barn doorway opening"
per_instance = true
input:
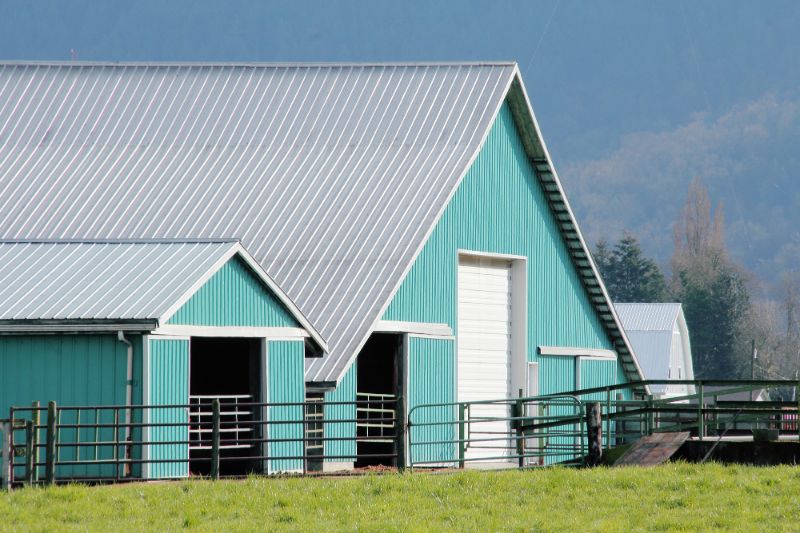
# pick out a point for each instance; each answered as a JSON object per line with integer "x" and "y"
{"x": 228, "y": 369}
{"x": 380, "y": 381}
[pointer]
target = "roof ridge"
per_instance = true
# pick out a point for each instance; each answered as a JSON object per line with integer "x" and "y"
{"x": 122, "y": 241}
{"x": 264, "y": 64}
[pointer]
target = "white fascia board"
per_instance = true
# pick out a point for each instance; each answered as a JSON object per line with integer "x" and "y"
{"x": 238, "y": 249}
{"x": 571, "y": 351}
{"x": 176, "y": 330}
{"x": 16, "y": 329}
{"x": 540, "y": 141}
{"x": 420, "y": 328}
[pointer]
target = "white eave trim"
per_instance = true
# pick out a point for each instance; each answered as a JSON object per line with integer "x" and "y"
{"x": 175, "y": 330}
{"x": 571, "y": 351}
{"x": 418, "y": 328}
{"x": 74, "y": 328}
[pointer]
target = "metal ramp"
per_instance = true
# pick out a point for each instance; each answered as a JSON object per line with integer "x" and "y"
{"x": 653, "y": 449}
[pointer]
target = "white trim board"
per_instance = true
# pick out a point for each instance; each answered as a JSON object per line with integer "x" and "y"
{"x": 418, "y": 328}
{"x": 175, "y": 330}
{"x": 570, "y": 351}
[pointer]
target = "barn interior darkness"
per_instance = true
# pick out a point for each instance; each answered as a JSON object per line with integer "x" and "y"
{"x": 227, "y": 367}
{"x": 380, "y": 371}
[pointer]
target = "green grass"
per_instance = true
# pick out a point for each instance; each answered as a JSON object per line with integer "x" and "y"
{"x": 672, "y": 497}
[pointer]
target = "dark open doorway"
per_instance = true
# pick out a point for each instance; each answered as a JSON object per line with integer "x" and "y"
{"x": 228, "y": 369}
{"x": 380, "y": 382}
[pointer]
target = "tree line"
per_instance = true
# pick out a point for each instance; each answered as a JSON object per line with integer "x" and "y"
{"x": 727, "y": 310}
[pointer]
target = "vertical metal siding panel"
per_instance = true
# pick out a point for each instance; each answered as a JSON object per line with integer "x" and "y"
{"x": 72, "y": 370}
{"x": 501, "y": 208}
{"x": 169, "y": 384}
{"x": 344, "y": 392}
{"x": 432, "y": 368}
{"x": 285, "y": 384}
{"x": 233, "y": 296}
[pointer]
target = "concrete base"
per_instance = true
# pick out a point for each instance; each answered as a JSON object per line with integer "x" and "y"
{"x": 337, "y": 466}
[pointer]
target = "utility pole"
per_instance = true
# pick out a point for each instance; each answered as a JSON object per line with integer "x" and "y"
{"x": 754, "y": 353}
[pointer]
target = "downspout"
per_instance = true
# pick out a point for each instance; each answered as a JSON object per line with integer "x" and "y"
{"x": 128, "y": 400}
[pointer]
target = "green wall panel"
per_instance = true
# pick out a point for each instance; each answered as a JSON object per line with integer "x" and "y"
{"x": 501, "y": 208}
{"x": 73, "y": 370}
{"x": 234, "y": 296}
{"x": 168, "y": 369}
{"x": 285, "y": 384}
{"x": 344, "y": 392}
{"x": 432, "y": 379}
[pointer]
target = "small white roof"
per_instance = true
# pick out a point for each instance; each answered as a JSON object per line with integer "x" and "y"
{"x": 648, "y": 316}
{"x": 113, "y": 280}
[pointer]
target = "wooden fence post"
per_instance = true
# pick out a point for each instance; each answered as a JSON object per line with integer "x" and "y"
{"x": 594, "y": 430}
{"x": 50, "y": 457}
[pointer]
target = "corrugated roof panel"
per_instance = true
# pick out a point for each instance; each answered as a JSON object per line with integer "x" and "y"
{"x": 331, "y": 175}
{"x": 648, "y": 316}
{"x": 72, "y": 280}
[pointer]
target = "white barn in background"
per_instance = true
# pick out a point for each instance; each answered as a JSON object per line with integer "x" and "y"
{"x": 660, "y": 339}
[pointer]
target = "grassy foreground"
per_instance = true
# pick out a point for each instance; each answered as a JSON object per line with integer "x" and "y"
{"x": 672, "y": 497}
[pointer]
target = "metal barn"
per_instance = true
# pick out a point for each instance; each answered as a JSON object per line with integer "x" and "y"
{"x": 660, "y": 336}
{"x": 410, "y": 212}
{"x": 148, "y": 323}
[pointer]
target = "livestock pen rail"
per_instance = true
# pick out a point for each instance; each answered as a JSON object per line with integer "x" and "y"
{"x": 217, "y": 437}
{"x": 550, "y": 429}
{"x": 233, "y": 436}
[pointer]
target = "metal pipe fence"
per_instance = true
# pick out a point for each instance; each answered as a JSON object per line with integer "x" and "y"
{"x": 212, "y": 436}
{"x": 234, "y": 436}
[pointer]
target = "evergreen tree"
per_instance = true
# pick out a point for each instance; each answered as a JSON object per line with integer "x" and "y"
{"x": 629, "y": 276}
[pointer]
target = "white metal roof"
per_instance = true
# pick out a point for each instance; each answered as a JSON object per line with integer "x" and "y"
{"x": 331, "y": 175}
{"x": 648, "y": 316}
{"x": 112, "y": 280}
{"x": 73, "y": 280}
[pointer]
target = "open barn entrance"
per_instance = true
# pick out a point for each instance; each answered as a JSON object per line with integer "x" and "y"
{"x": 380, "y": 381}
{"x": 228, "y": 369}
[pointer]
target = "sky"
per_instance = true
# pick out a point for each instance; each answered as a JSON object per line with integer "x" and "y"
{"x": 635, "y": 98}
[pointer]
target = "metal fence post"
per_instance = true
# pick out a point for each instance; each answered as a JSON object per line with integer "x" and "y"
{"x": 701, "y": 423}
{"x": 36, "y": 421}
{"x": 215, "y": 438}
{"x": 518, "y": 433}
{"x": 608, "y": 418}
{"x": 50, "y": 453}
{"x": 461, "y": 435}
{"x": 30, "y": 464}
{"x": 7, "y": 453}
{"x": 400, "y": 433}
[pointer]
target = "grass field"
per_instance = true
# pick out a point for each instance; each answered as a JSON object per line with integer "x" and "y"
{"x": 672, "y": 497}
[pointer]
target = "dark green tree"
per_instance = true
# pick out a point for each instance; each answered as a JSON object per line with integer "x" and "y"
{"x": 629, "y": 275}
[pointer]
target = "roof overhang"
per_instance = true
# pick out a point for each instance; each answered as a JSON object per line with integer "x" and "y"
{"x": 19, "y": 327}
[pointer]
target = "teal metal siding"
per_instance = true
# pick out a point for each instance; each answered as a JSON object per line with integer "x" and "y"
{"x": 500, "y": 208}
{"x": 598, "y": 373}
{"x": 556, "y": 374}
{"x": 344, "y": 392}
{"x": 285, "y": 384}
{"x": 168, "y": 373}
{"x": 432, "y": 363}
{"x": 72, "y": 370}
{"x": 234, "y": 296}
